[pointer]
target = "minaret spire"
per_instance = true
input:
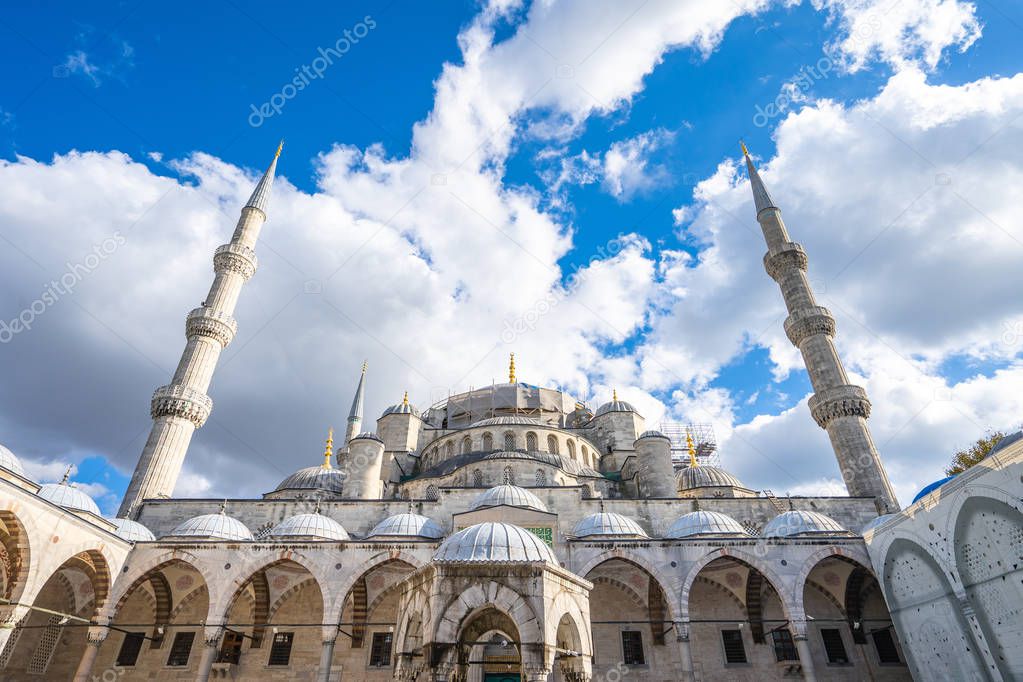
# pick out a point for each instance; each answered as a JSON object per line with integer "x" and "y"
{"x": 182, "y": 406}
{"x": 837, "y": 406}
{"x": 355, "y": 414}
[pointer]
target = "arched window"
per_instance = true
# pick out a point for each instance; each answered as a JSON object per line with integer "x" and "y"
{"x": 509, "y": 441}
{"x": 531, "y": 442}
{"x": 466, "y": 446}
{"x": 432, "y": 493}
{"x": 586, "y": 456}
{"x": 449, "y": 449}
{"x": 488, "y": 442}
{"x": 571, "y": 449}
{"x": 552, "y": 444}
{"x": 477, "y": 478}
{"x": 541, "y": 478}
{"x": 509, "y": 478}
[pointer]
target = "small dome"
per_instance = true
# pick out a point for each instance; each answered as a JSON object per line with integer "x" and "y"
{"x": 510, "y": 495}
{"x": 875, "y": 523}
{"x": 65, "y": 495}
{"x": 404, "y": 407}
{"x": 704, "y": 523}
{"x": 132, "y": 531}
{"x": 10, "y": 462}
{"x": 801, "y": 522}
{"x": 213, "y": 527}
{"x": 607, "y": 523}
{"x": 614, "y": 406}
{"x": 497, "y": 421}
{"x": 928, "y": 489}
{"x": 368, "y": 435}
{"x": 314, "y": 478}
{"x": 407, "y": 525}
{"x": 494, "y": 543}
{"x": 652, "y": 433}
{"x": 310, "y": 526}
{"x": 706, "y": 477}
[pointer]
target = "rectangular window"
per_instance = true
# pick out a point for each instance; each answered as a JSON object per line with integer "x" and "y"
{"x": 784, "y": 647}
{"x": 180, "y": 649}
{"x": 280, "y": 650}
{"x": 130, "y": 648}
{"x": 380, "y": 650}
{"x": 632, "y": 648}
{"x": 834, "y": 647}
{"x": 735, "y": 650}
{"x": 231, "y": 648}
{"x": 887, "y": 652}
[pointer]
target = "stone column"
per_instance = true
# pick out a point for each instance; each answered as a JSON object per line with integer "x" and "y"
{"x": 211, "y": 647}
{"x": 329, "y": 637}
{"x": 10, "y": 617}
{"x": 685, "y": 651}
{"x": 798, "y": 629}
{"x": 95, "y": 639}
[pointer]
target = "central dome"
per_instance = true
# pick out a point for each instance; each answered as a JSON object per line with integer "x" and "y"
{"x": 704, "y": 476}
{"x": 494, "y": 543}
{"x": 510, "y": 495}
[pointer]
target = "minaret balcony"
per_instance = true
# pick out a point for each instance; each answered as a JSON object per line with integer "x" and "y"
{"x": 176, "y": 400}
{"x": 783, "y": 258}
{"x": 235, "y": 258}
{"x": 838, "y": 401}
{"x": 807, "y": 322}
{"x": 211, "y": 323}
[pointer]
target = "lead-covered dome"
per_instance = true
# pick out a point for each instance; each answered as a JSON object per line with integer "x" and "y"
{"x": 510, "y": 495}
{"x": 802, "y": 522}
{"x": 494, "y": 543}
{"x": 507, "y": 420}
{"x": 615, "y": 405}
{"x": 315, "y": 526}
{"x": 66, "y": 495}
{"x": 407, "y": 525}
{"x": 314, "y": 478}
{"x": 706, "y": 477}
{"x": 10, "y": 462}
{"x": 218, "y": 526}
{"x": 132, "y": 531}
{"x": 404, "y": 407}
{"x": 608, "y": 524}
{"x": 704, "y": 523}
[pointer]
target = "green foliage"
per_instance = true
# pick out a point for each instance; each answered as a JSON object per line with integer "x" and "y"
{"x": 966, "y": 458}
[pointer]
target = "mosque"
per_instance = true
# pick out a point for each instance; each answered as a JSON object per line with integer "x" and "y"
{"x": 512, "y": 534}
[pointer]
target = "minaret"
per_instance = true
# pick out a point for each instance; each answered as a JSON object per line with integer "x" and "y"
{"x": 837, "y": 406}
{"x": 355, "y": 414}
{"x": 182, "y": 406}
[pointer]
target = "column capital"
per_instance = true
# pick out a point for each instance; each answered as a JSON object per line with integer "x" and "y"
{"x": 212, "y": 634}
{"x": 328, "y": 633}
{"x": 11, "y": 614}
{"x": 798, "y": 629}
{"x": 97, "y": 635}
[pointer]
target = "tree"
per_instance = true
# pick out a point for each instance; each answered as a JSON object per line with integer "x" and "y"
{"x": 966, "y": 458}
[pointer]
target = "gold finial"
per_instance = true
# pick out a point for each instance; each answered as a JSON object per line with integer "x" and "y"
{"x": 511, "y": 369}
{"x": 744, "y": 150}
{"x": 614, "y": 395}
{"x": 328, "y": 452}
{"x": 279, "y": 148}
{"x": 691, "y": 447}
{"x": 404, "y": 400}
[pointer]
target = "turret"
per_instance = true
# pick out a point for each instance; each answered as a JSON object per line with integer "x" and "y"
{"x": 837, "y": 406}
{"x": 617, "y": 425}
{"x": 182, "y": 406}
{"x": 656, "y": 477}
{"x": 365, "y": 467}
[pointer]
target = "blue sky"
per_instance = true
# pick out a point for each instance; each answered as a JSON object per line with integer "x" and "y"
{"x": 161, "y": 85}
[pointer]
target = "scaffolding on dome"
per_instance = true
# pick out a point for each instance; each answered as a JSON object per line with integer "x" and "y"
{"x": 704, "y": 442}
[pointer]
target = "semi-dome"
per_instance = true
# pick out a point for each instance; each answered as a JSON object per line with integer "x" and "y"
{"x": 213, "y": 527}
{"x": 704, "y": 523}
{"x": 703, "y": 476}
{"x": 314, "y": 525}
{"x": 407, "y": 525}
{"x": 510, "y": 495}
{"x": 928, "y": 489}
{"x": 494, "y": 543}
{"x": 314, "y": 478}
{"x": 66, "y": 495}
{"x": 608, "y": 523}
{"x": 132, "y": 531}
{"x": 802, "y": 522}
{"x": 499, "y": 421}
{"x": 10, "y": 462}
{"x": 875, "y": 523}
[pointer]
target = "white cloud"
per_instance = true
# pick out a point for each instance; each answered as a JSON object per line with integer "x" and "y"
{"x": 627, "y": 168}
